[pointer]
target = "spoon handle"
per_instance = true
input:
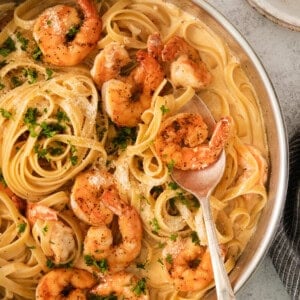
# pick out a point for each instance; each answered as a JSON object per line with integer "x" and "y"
{"x": 223, "y": 286}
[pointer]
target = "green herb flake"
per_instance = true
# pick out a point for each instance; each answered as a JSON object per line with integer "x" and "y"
{"x": 72, "y": 32}
{"x": 37, "y": 53}
{"x": 173, "y": 237}
{"x": 61, "y": 116}
{"x": 7, "y": 47}
{"x": 49, "y": 73}
{"x": 169, "y": 258}
{"x": 15, "y": 81}
{"x": 140, "y": 265}
{"x": 100, "y": 264}
{"x": 5, "y": 113}
{"x": 21, "y": 227}
{"x": 2, "y": 86}
{"x": 45, "y": 229}
{"x": 195, "y": 238}
{"x": 31, "y": 75}
{"x": 50, "y": 264}
{"x": 160, "y": 261}
{"x": 173, "y": 185}
{"x": 140, "y": 287}
{"x": 41, "y": 152}
{"x": 23, "y": 41}
{"x": 51, "y": 129}
{"x": 164, "y": 109}
{"x": 124, "y": 136}
{"x": 170, "y": 165}
{"x": 155, "y": 225}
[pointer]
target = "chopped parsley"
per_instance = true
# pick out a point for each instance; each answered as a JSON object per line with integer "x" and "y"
{"x": 160, "y": 261}
{"x": 2, "y": 86}
{"x": 61, "y": 116}
{"x": 173, "y": 185}
{"x": 164, "y": 109}
{"x": 98, "y": 297}
{"x": 21, "y": 227}
{"x": 124, "y": 136}
{"x": 170, "y": 165}
{"x": 155, "y": 225}
{"x": 100, "y": 264}
{"x": 50, "y": 129}
{"x": 15, "y": 81}
{"x": 30, "y": 119}
{"x": 73, "y": 157}
{"x": 23, "y": 41}
{"x": 169, "y": 258}
{"x": 31, "y": 75}
{"x": 7, "y": 47}
{"x": 37, "y": 53}
{"x": 41, "y": 152}
{"x": 49, "y": 73}
{"x": 50, "y": 264}
{"x": 195, "y": 238}
{"x": 140, "y": 287}
{"x": 140, "y": 265}
{"x": 72, "y": 32}
{"x": 5, "y": 113}
{"x": 45, "y": 229}
{"x": 173, "y": 237}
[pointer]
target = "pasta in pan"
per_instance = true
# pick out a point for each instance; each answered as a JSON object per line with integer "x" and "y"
{"x": 84, "y": 190}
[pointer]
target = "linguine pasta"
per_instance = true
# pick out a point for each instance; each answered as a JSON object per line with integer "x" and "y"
{"x": 53, "y": 126}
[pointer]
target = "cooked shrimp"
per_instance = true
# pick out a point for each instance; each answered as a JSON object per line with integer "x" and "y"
{"x": 108, "y": 63}
{"x": 69, "y": 283}
{"x": 189, "y": 264}
{"x": 86, "y": 197}
{"x": 60, "y": 237}
{"x": 155, "y": 45}
{"x": 99, "y": 242}
{"x": 187, "y": 68}
{"x": 125, "y": 100}
{"x": 65, "y": 39}
{"x": 123, "y": 285}
{"x": 180, "y": 141}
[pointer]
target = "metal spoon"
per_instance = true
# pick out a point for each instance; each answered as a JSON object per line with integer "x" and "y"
{"x": 201, "y": 183}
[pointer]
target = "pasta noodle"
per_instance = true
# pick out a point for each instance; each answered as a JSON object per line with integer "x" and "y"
{"x": 54, "y": 126}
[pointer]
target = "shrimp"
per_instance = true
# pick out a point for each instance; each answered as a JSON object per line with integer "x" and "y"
{"x": 189, "y": 264}
{"x": 187, "y": 68}
{"x": 60, "y": 237}
{"x": 180, "y": 141}
{"x": 65, "y": 39}
{"x": 99, "y": 242}
{"x": 125, "y": 100}
{"x": 62, "y": 283}
{"x": 86, "y": 197}
{"x": 122, "y": 284}
{"x": 108, "y": 63}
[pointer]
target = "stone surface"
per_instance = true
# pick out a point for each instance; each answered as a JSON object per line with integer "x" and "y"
{"x": 279, "y": 51}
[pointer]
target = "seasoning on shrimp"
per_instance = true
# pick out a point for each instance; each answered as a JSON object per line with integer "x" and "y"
{"x": 182, "y": 141}
{"x": 65, "y": 284}
{"x": 189, "y": 264}
{"x": 65, "y": 39}
{"x": 186, "y": 65}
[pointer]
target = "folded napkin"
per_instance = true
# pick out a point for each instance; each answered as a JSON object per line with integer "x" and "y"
{"x": 285, "y": 249}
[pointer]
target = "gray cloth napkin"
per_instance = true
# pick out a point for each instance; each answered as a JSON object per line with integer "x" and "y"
{"x": 284, "y": 251}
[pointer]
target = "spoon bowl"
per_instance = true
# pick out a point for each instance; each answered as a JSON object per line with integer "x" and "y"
{"x": 201, "y": 183}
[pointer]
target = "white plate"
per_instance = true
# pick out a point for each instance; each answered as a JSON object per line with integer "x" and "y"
{"x": 283, "y": 12}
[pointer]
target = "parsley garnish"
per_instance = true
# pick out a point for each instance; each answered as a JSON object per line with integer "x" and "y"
{"x": 62, "y": 116}
{"x": 170, "y": 165}
{"x": 124, "y": 136}
{"x": 49, "y": 130}
{"x": 7, "y": 47}
{"x": 141, "y": 265}
{"x": 164, "y": 109}
{"x": 21, "y": 227}
{"x": 5, "y": 113}
{"x": 100, "y": 264}
{"x": 72, "y": 32}
{"x": 37, "y": 53}
{"x": 41, "y": 152}
{"x": 169, "y": 258}
{"x": 50, "y": 264}
{"x": 195, "y": 238}
{"x": 173, "y": 185}
{"x": 31, "y": 75}
{"x": 155, "y": 225}
{"x": 15, "y": 81}
{"x": 23, "y": 41}
{"x": 45, "y": 229}
{"x": 2, "y": 86}
{"x": 30, "y": 119}
{"x": 49, "y": 73}
{"x": 173, "y": 237}
{"x": 140, "y": 287}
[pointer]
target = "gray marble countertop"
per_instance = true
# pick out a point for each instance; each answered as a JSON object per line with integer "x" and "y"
{"x": 279, "y": 51}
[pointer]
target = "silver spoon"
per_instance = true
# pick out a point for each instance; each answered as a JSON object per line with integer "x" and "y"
{"x": 201, "y": 183}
